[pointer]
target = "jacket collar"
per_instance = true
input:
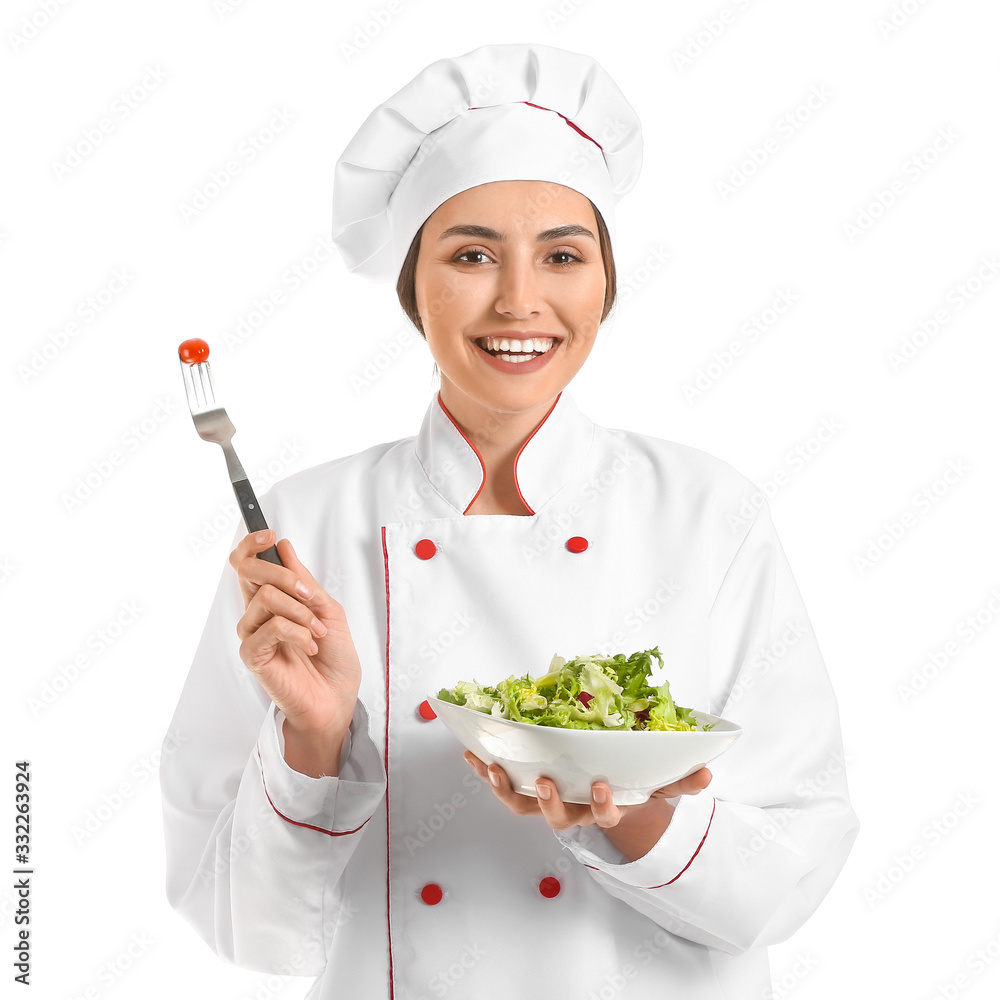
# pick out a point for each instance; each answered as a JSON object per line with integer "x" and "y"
{"x": 548, "y": 459}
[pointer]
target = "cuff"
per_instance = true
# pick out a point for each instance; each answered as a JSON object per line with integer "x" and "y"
{"x": 667, "y": 860}
{"x": 336, "y": 806}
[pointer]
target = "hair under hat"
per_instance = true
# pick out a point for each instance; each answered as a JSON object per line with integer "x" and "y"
{"x": 500, "y": 112}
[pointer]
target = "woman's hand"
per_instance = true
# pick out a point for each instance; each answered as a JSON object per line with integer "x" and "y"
{"x": 298, "y": 646}
{"x": 562, "y": 815}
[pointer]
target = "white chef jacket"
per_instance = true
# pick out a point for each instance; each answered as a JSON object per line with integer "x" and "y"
{"x": 405, "y": 877}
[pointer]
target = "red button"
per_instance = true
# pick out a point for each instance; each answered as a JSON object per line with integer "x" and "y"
{"x": 577, "y": 544}
{"x": 425, "y": 548}
{"x": 431, "y": 894}
{"x": 426, "y": 711}
{"x": 549, "y": 886}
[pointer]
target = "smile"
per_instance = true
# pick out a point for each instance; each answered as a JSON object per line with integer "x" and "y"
{"x": 517, "y": 356}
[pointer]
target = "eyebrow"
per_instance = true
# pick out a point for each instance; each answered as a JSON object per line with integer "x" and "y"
{"x": 485, "y": 233}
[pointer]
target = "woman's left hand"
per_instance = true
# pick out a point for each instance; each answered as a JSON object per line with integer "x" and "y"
{"x": 562, "y": 815}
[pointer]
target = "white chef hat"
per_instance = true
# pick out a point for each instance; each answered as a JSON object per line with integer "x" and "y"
{"x": 500, "y": 112}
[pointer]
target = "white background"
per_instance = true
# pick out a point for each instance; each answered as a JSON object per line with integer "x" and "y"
{"x": 912, "y": 445}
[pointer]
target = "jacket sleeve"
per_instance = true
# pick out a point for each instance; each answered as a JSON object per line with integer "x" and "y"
{"x": 254, "y": 849}
{"x": 747, "y": 860}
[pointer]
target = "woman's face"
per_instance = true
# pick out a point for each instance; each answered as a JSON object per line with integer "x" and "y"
{"x": 519, "y": 260}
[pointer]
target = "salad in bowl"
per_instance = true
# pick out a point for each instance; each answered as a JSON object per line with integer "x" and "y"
{"x": 547, "y": 726}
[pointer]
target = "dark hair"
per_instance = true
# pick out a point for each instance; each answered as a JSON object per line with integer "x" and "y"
{"x": 406, "y": 287}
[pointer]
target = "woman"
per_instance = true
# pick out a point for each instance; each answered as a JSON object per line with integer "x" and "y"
{"x": 318, "y": 818}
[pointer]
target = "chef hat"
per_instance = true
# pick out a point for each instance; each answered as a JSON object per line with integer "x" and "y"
{"x": 499, "y": 112}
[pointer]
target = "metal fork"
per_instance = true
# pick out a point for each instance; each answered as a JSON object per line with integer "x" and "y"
{"x": 213, "y": 424}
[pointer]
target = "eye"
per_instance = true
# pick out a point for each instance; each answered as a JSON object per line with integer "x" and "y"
{"x": 465, "y": 253}
{"x": 555, "y": 253}
{"x": 565, "y": 253}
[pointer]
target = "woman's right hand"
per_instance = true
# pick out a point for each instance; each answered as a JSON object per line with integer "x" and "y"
{"x": 299, "y": 647}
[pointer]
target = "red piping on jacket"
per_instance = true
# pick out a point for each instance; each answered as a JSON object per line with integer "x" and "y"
{"x": 308, "y": 826}
{"x": 688, "y": 865}
{"x": 388, "y": 921}
{"x": 517, "y": 485}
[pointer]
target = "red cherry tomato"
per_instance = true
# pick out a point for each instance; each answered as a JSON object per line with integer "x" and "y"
{"x": 193, "y": 352}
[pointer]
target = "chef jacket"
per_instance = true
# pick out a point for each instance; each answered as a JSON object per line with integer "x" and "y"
{"x": 405, "y": 877}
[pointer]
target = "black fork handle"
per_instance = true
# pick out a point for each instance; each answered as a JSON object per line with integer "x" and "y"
{"x": 253, "y": 517}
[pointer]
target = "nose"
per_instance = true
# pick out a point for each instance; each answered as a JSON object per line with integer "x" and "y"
{"x": 519, "y": 289}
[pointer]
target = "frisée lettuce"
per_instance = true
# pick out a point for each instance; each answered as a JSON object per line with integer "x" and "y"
{"x": 590, "y": 692}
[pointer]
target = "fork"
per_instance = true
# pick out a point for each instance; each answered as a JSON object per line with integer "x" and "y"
{"x": 213, "y": 424}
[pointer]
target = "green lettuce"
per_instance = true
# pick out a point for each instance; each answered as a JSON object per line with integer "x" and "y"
{"x": 590, "y": 692}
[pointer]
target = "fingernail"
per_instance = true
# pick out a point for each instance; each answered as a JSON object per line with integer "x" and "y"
{"x": 495, "y": 778}
{"x": 543, "y": 790}
{"x": 600, "y": 795}
{"x": 301, "y": 588}
{"x": 262, "y": 536}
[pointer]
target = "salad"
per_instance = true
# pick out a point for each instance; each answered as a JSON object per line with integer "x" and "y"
{"x": 590, "y": 692}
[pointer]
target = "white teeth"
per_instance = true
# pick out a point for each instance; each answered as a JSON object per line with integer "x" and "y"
{"x": 537, "y": 345}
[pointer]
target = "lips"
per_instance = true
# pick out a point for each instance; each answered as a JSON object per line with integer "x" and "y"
{"x": 536, "y": 362}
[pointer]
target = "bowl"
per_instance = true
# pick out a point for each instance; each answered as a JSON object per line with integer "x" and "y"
{"x": 634, "y": 763}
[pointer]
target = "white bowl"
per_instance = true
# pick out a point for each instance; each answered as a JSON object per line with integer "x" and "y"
{"x": 634, "y": 763}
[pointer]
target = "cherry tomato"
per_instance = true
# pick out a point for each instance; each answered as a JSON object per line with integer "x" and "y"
{"x": 193, "y": 352}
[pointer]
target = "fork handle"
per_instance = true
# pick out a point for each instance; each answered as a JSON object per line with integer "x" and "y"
{"x": 253, "y": 517}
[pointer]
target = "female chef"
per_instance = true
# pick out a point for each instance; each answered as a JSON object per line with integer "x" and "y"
{"x": 319, "y": 820}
